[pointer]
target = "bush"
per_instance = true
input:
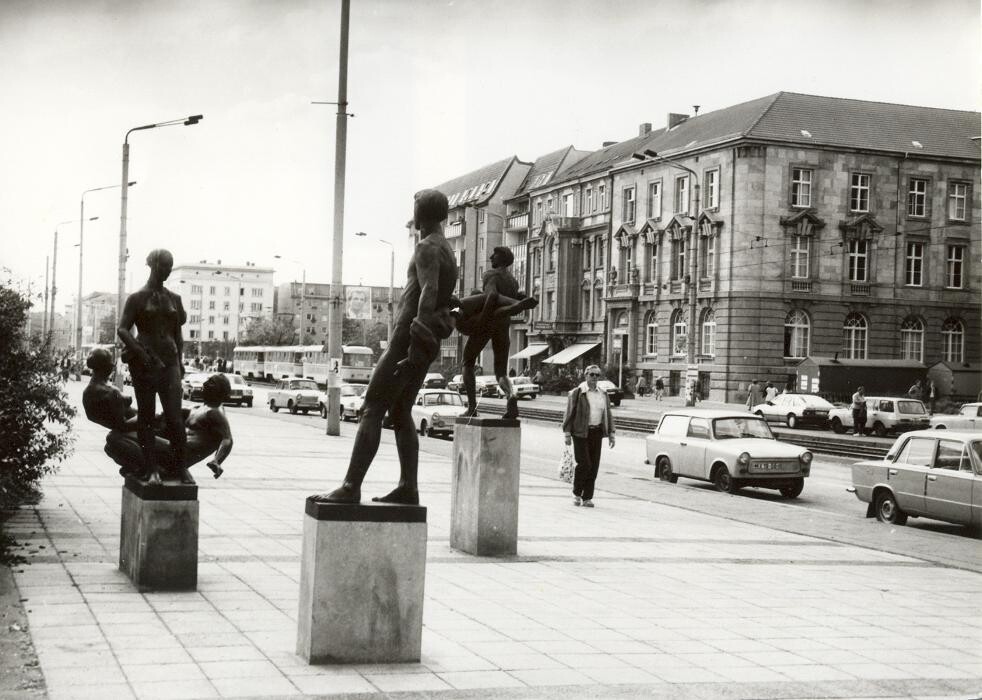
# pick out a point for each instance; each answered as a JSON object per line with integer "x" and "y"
{"x": 35, "y": 417}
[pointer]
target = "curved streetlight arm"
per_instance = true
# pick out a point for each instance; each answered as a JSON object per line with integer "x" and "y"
{"x": 186, "y": 121}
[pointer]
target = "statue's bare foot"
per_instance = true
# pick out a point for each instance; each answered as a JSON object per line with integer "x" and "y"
{"x": 518, "y": 307}
{"x": 154, "y": 478}
{"x": 186, "y": 477}
{"x": 345, "y": 494}
{"x": 511, "y": 410}
{"x": 401, "y": 494}
{"x": 471, "y": 412}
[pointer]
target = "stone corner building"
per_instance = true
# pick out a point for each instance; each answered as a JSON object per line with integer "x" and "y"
{"x": 732, "y": 244}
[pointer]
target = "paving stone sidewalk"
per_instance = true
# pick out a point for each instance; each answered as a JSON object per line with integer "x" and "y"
{"x": 631, "y": 599}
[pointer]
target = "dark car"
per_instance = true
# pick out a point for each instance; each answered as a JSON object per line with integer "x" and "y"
{"x": 434, "y": 380}
{"x": 614, "y": 392}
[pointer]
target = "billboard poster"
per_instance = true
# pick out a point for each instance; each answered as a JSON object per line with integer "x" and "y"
{"x": 358, "y": 303}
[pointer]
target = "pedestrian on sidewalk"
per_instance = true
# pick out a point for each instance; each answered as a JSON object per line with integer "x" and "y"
{"x": 859, "y": 411}
{"x": 587, "y": 422}
{"x": 642, "y": 386}
{"x": 754, "y": 395}
{"x": 770, "y": 392}
{"x": 659, "y": 389}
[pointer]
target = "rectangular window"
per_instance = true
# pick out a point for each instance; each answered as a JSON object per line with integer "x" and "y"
{"x": 654, "y": 200}
{"x": 601, "y": 246}
{"x": 800, "y": 257}
{"x": 587, "y": 252}
{"x": 917, "y": 197}
{"x": 954, "y": 263}
{"x": 225, "y": 320}
{"x": 682, "y": 195}
{"x": 211, "y": 306}
{"x": 480, "y": 216}
{"x": 602, "y": 194}
{"x": 801, "y": 187}
{"x": 653, "y": 263}
{"x": 628, "y": 208}
{"x": 859, "y": 190}
{"x": 568, "y": 204}
{"x": 256, "y": 307}
{"x": 538, "y": 212}
{"x": 591, "y": 205}
{"x": 257, "y": 291}
{"x": 211, "y": 320}
{"x": 678, "y": 259}
{"x": 196, "y": 289}
{"x": 211, "y": 335}
{"x": 226, "y": 306}
{"x": 858, "y": 254}
{"x": 709, "y": 256}
{"x": 194, "y": 319}
{"x": 228, "y": 291}
{"x": 224, "y": 335}
{"x": 196, "y": 303}
{"x": 958, "y": 201}
{"x": 710, "y": 191}
{"x": 914, "y": 268}
{"x": 211, "y": 289}
{"x": 651, "y": 340}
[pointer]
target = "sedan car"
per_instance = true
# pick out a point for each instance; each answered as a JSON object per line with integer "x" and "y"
{"x": 352, "y": 398}
{"x": 884, "y": 414}
{"x": 731, "y": 449}
{"x": 456, "y": 384}
{"x": 523, "y": 386}
{"x": 614, "y": 392}
{"x": 925, "y": 473}
{"x": 295, "y": 394}
{"x": 241, "y": 391}
{"x": 969, "y": 417}
{"x": 192, "y": 384}
{"x": 486, "y": 385}
{"x": 795, "y": 410}
{"x": 434, "y": 380}
{"x": 435, "y": 411}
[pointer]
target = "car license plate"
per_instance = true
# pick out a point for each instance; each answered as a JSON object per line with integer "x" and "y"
{"x": 821, "y": 413}
{"x": 771, "y": 467}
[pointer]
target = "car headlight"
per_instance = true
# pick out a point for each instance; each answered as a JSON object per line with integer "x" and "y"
{"x": 437, "y": 420}
{"x": 299, "y": 396}
{"x": 806, "y": 457}
{"x": 247, "y": 392}
{"x": 744, "y": 458}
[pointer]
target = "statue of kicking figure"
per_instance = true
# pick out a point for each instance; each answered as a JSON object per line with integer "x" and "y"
{"x": 422, "y": 321}
{"x": 486, "y": 317}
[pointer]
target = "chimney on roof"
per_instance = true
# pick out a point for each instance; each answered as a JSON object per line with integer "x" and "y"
{"x": 608, "y": 143}
{"x": 675, "y": 119}
{"x": 644, "y": 129}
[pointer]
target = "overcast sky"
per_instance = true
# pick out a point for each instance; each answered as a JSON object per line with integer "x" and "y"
{"x": 437, "y": 89}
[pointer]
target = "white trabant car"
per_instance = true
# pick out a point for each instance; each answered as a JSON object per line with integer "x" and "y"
{"x": 884, "y": 414}
{"x": 352, "y": 398}
{"x": 523, "y": 386}
{"x": 295, "y": 394}
{"x": 435, "y": 411}
{"x": 731, "y": 449}
{"x": 969, "y": 417}
{"x": 795, "y": 410}
{"x": 926, "y": 473}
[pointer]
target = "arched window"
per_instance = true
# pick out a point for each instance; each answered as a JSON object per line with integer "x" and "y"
{"x": 912, "y": 339}
{"x": 854, "y": 336}
{"x": 797, "y": 334}
{"x": 651, "y": 336}
{"x": 953, "y": 341}
{"x": 680, "y": 334}
{"x": 709, "y": 333}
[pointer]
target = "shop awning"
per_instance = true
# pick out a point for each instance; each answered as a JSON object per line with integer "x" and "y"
{"x": 530, "y": 351}
{"x": 571, "y": 353}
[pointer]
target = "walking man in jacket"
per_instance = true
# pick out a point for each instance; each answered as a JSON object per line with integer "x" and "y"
{"x": 588, "y": 421}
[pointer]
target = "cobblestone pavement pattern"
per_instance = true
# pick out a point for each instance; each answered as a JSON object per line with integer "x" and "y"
{"x": 631, "y": 599}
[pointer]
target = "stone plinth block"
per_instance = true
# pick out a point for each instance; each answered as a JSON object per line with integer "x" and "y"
{"x": 361, "y": 583}
{"x": 158, "y": 536}
{"x": 484, "y": 486}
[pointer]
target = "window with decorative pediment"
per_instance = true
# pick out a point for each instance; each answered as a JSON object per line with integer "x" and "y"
{"x": 858, "y": 234}
{"x": 709, "y": 230}
{"x": 801, "y": 230}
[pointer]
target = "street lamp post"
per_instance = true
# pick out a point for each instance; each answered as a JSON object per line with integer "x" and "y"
{"x": 303, "y": 292}
{"x": 392, "y": 276}
{"x": 54, "y": 266}
{"x": 81, "y": 243}
{"x": 123, "y": 253}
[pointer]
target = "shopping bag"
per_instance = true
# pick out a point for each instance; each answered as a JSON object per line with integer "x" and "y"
{"x": 567, "y": 466}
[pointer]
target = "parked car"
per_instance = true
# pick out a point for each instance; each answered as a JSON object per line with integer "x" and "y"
{"x": 434, "y": 380}
{"x": 486, "y": 385}
{"x": 969, "y": 417}
{"x": 241, "y": 391}
{"x": 884, "y": 414}
{"x": 523, "y": 386}
{"x": 614, "y": 392}
{"x": 731, "y": 449}
{"x": 925, "y": 474}
{"x": 456, "y": 384}
{"x": 352, "y": 398}
{"x": 795, "y": 410}
{"x": 192, "y": 384}
{"x": 295, "y": 394}
{"x": 435, "y": 410}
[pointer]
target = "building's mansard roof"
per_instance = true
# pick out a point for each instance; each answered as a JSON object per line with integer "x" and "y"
{"x": 476, "y": 186}
{"x": 605, "y": 159}
{"x": 545, "y": 168}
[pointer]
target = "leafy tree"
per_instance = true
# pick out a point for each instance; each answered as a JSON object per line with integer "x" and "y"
{"x": 277, "y": 330}
{"x": 35, "y": 416}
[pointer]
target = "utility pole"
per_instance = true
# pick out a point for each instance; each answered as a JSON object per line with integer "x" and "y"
{"x": 54, "y": 281}
{"x": 44, "y": 316}
{"x": 335, "y": 309}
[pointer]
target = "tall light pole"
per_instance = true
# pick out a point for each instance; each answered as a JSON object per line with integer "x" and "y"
{"x": 303, "y": 292}
{"x": 123, "y": 252}
{"x": 81, "y": 244}
{"x": 392, "y": 275}
{"x": 54, "y": 268}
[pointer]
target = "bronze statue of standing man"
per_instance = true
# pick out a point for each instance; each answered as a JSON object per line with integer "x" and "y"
{"x": 154, "y": 357}
{"x": 422, "y": 321}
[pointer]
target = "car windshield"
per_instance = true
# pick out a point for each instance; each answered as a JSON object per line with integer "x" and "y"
{"x": 606, "y": 385}
{"x": 521, "y": 380}
{"x": 442, "y": 399}
{"x": 305, "y": 384}
{"x": 976, "y": 447}
{"x": 235, "y": 379}
{"x": 739, "y": 427}
{"x": 351, "y": 390}
{"x": 911, "y": 407}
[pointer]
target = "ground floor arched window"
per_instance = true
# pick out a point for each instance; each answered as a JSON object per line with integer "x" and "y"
{"x": 912, "y": 339}
{"x": 953, "y": 341}
{"x": 709, "y": 333}
{"x": 797, "y": 334}
{"x": 854, "y": 336}
{"x": 680, "y": 334}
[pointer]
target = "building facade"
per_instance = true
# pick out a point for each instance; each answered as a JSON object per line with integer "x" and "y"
{"x": 311, "y": 302}
{"x": 221, "y": 300}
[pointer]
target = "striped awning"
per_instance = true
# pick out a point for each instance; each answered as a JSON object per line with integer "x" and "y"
{"x": 569, "y": 354}
{"x": 530, "y": 351}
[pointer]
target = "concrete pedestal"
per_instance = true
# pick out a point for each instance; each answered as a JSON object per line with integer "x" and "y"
{"x": 158, "y": 536}
{"x": 484, "y": 486}
{"x": 361, "y": 583}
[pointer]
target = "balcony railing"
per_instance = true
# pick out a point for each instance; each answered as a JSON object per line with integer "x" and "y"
{"x": 801, "y": 285}
{"x": 859, "y": 289}
{"x": 517, "y": 221}
{"x": 455, "y": 229}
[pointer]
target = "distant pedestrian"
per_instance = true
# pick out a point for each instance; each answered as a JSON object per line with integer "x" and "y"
{"x": 642, "y": 386}
{"x": 931, "y": 396}
{"x": 511, "y": 372}
{"x": 659, "y": 389}
{"x": 754, "y": 395}
{"x": 770, "y": 392}
{"x": 859, "y": 411}
{"x": 587, "y": 422}
{"x": 695, "y": 389}
{"x": 538, "y": 377}
{"x": 916, "y": 391}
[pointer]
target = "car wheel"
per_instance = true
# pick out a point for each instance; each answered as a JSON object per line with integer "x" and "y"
{"x": 422, "y": 427}
{"x": 532, "y": 396}
{"x": 273, "y": 407}
{"x": 430, "y": 433}
{"x": 879, "y": 429}
{"x": 292, "y": 407}
{"x": 792, "y": 420}
{"x": 358, "y": 416}
{"x": 837, "y": 426}
{"x": 941, "y": 427}
{"x": 663, "y": 470}
{"x": 248, "y": 403}
{"x": 617, "y": 402}
{"x": 303, "y": 411}
{"x": 794, "y": 490}
{"x": 724, "y": 481}
{"x": 322, "y": 410}
{"x": 887, "y": 510}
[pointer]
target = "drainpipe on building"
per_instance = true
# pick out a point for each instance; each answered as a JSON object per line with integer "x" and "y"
{"x": 692, "y": 371}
